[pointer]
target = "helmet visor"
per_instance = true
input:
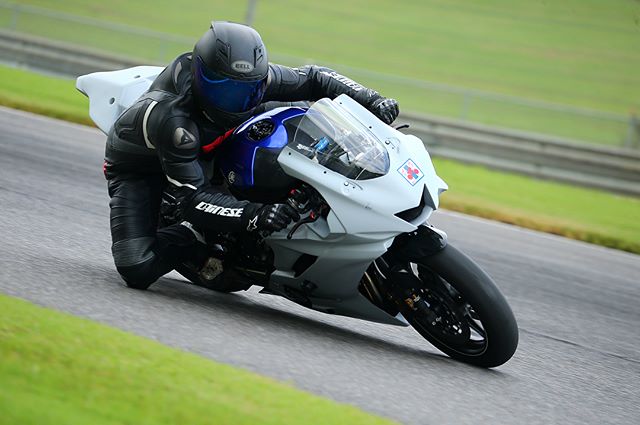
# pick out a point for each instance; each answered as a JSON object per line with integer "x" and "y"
{"x": 225, "y": 93}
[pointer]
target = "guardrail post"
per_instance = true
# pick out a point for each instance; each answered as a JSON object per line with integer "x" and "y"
{"x": 163, "y": 51}
{"x": 633, "y": 132}
{"x": 466, "y": 105}
{"x": 15, "y": 15}
{"x": 251, "y": 12}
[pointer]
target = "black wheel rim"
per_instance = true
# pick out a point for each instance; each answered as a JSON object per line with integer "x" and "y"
{"x": 444, "y": 315}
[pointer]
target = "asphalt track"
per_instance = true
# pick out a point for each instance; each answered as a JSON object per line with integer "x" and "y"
{"x": 578, "y": 305}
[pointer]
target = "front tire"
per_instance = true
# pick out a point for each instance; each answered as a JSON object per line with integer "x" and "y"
{"x": 460, "y": 310}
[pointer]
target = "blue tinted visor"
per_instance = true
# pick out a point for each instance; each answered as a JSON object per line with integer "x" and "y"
{"x": 225, "y": 93}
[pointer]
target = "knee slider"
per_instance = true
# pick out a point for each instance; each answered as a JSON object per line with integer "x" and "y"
{"x": 139, "y": 276}
{"x": 134, "y": 261}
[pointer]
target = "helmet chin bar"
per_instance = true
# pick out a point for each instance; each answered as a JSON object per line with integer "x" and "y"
{"x": 226, "y": 119}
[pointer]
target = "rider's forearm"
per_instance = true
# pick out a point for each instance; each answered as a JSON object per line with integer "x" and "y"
{"x": 314, "y": 82}
{"x": 210, "y": 209}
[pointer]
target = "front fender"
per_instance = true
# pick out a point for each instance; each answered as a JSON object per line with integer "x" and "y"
{"x": 425, "y": 241}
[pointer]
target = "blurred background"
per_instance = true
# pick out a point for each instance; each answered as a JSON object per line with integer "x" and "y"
{"x": 565, "y": 68}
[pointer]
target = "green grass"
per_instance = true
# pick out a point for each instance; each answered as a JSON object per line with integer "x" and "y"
{"x": 60, "y": 369}
{"x": 55, "y": 97}
{"x": 589, "y": 215}
{"x": 582, "y": 53}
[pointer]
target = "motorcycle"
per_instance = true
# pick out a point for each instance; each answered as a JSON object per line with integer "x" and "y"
{"x": 364, "y": 247}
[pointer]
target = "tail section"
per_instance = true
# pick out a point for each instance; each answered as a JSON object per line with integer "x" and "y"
{"x": 110, "y": 93}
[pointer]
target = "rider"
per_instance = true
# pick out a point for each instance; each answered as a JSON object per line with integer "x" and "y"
{"x": 152, "y": 159}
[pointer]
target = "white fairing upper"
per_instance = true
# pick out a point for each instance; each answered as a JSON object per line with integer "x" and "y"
{"x": 362, "y": 223}
{"x": 111, "y": 92}
{"x": 366, "y": 208}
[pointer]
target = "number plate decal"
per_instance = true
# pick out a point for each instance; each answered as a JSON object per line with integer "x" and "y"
{"x": 411, "y": 173}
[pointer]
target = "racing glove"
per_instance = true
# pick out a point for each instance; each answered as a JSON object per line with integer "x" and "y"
{"x": 269, "y": 218}
{"x": 386, "y": 109}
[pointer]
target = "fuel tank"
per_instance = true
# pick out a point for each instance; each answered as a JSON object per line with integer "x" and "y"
{"x": 249, "y": 159}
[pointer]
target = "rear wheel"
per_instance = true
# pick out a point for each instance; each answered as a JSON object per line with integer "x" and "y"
{"x": 456, "y": 306}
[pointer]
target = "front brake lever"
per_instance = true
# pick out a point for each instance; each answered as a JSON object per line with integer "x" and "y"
{"x": 309, "y": 219}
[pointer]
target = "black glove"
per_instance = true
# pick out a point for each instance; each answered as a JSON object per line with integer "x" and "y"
{"x": 169, "y": 211}
{"x": 269, "y": 218}
{"x": 385, "y": 109}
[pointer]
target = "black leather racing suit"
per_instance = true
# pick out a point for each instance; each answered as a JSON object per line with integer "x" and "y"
{"x": 155, "y": 147}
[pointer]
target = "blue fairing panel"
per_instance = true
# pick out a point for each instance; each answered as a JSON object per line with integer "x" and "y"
{"x": 237, "y": 155}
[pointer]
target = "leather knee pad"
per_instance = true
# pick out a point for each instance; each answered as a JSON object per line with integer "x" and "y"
{"x": 139, "y": 276}
{"x": 136, "y": 262}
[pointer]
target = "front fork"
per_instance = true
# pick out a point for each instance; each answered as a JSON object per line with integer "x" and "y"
{"x": 387, "y": 282}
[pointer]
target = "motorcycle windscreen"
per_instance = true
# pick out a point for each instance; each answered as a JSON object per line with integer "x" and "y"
{"x": 333, "y": 138}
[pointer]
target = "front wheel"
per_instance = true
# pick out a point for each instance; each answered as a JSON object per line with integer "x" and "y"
{"x": 456, "y": 306}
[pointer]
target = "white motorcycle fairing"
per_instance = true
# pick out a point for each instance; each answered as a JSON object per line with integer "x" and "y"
{"x": 111, "y": 92}
{"x": 362, "y": 223}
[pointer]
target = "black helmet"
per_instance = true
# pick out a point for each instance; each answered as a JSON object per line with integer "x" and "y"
{"x": 230, "y": 69}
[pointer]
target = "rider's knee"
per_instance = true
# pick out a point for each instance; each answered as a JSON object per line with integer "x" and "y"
{"x": 140, "y": 276}
{"x": 135, "y": 261}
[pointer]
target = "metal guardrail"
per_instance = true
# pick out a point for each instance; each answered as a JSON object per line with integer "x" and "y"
{"x": 56, "y": 57}
{"x": 612, "y": 169}
{"x": 607, "y": 168}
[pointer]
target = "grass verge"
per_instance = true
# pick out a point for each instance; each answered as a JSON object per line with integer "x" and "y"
{"x": 54, "y": 97}
{"x": 57, "y": 368}
{"x": 588, "y": 215}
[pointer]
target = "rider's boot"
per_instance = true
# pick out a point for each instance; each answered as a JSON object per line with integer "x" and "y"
{"x": 204, "y": 266}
